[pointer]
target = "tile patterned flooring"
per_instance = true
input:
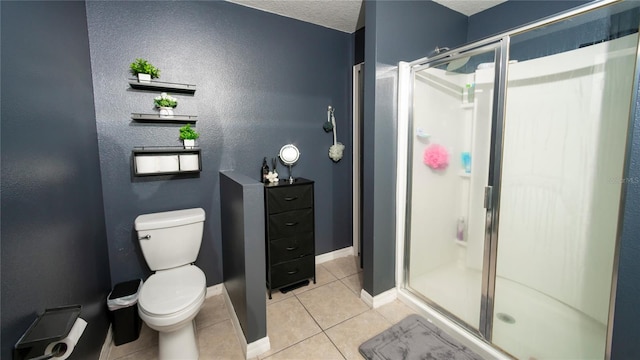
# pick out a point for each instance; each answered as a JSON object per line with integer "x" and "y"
{"x": 326, "y": 320}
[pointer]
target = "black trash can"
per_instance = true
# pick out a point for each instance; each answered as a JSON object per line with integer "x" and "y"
{"x": 123, "y": 311}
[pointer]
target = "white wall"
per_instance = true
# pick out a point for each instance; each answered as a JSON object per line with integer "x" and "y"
{"x": 438, "y": 197}
{"x": 564, "y": 142}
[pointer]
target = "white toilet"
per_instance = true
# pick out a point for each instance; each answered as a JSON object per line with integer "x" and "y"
{"x": 171, "y": 298}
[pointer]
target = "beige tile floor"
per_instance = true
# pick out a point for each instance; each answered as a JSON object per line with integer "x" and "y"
{"x": 326, "y": 320}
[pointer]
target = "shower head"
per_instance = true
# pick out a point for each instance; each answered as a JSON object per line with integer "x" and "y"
{"x": 457, "y": 63}
{"x": 453, "y": 65}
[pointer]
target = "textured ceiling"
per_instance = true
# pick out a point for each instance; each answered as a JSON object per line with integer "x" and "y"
{"x": 469, "y": 7}
{"x": 346, "y": 15}
{"x": 335, "y": 14}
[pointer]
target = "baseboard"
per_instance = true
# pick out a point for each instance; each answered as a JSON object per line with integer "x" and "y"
{"x": 106, "y": 347}
{"x": 214, "y": 290}
{"x": 375, "y": 302}
{"x": 250, "y": 350}
{"x": 234, "y": 320}
{"x": 322, "y": 258}
{"x": 258, "y": 347}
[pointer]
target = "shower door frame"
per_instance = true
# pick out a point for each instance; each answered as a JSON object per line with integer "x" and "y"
{"x": 500, "y": 47}
{"x": 407, "y": 71}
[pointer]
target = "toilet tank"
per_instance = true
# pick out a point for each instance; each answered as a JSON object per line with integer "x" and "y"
{"x": 170, "y": 239}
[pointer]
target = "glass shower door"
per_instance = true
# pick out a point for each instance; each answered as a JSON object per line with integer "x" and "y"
{"x": 565, "y": 134}
{"x": 449, "y": 155}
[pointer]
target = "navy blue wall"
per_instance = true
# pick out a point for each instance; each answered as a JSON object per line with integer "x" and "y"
{"x": 243, "y": 247}
{"x": 514, "y": 13}
{"x": 54, "y": 247}
{"x": 395, "y": 31}
{"x": 262, "y": 81}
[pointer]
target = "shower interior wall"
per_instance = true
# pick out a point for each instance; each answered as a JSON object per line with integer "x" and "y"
{"x": 386, "y": 22}
{"x": 565, "y": 157}
{"x": 402, "y": 31}
{"x": 462, "y": 126}
{"x": 577, "y": 186}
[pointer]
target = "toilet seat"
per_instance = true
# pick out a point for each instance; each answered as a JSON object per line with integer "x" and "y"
{"x": 171, "y": 296}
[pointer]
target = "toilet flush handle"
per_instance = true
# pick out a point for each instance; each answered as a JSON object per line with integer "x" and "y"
{"x": 146, "y": 237}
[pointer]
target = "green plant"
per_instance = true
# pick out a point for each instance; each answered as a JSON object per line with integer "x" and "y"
{"x": 142, "y": 66}
{"x": 187, "y": 133}
{"x": 165, "y": 100}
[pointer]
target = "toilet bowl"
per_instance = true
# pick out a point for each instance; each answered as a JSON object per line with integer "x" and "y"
{"x": 168, "y": 303}
{"x": 171, "y": 298}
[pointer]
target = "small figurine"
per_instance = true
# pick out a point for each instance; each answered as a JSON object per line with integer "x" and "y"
{"x": 272, "y": 176}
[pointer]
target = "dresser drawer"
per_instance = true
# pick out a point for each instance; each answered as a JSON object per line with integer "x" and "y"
{"x": 290, "y": 223}
{"x": 292, "y": 271}
{"x": 289, "y": 198}
{"x": 291, "y": 248}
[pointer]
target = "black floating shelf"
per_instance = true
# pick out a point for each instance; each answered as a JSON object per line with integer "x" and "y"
{"x": 179, "y": 165}
{"x": 164, "y": 119}
{"x": 164, "y": 149}
{"x": 163, "y": 86}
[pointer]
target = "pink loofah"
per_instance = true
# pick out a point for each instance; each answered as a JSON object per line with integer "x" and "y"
{"x": 436, "y": 157}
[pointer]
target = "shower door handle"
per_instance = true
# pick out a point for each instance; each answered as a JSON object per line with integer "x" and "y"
{"x": 488, "y": 197}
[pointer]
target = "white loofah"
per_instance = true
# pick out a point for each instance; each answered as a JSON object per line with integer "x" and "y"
{"x": 335, "y": 151}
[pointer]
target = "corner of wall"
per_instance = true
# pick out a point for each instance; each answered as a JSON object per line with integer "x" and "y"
{"x": 377, "y": 301}
{"x": 250, "y": 350}
{"x": 243, "y": 248}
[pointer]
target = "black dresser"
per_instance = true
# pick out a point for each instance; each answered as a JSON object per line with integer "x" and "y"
{"x": 290, "y": 234}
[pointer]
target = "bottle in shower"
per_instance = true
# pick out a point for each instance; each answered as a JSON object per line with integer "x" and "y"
{"x": 460, "y": 229}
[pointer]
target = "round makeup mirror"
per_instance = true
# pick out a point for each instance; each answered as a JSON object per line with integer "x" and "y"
{"x": 289, "y": 155}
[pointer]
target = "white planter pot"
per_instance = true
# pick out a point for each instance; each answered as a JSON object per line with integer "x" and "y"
{"x": 144, "y": 78}
{"x": 166, "y": 112}
{"x": 189, "y": 144}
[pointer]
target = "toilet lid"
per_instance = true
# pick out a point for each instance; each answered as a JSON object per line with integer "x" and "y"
{"x": 169, "y": 291}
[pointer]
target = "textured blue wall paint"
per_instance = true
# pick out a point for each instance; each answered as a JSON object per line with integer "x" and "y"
{"x": 54, "y": 247}
{"x": 514, "y": 13}
{"x": 395, "y": 31}
{"x": 262, "y": 81}
{"x": 243, "y": 246}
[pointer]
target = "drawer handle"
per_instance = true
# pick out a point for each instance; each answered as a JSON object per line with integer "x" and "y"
{"x": 291, "y": 272}
{"x": 290, "y": 198}
{"x": 292, "y": 248}
{"x": 291, "y": 223}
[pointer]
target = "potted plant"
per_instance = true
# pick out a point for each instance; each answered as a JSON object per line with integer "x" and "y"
{"x": 144, "y": 70}
{"x": 166, "y": 103}
{"x": 188, "y": 136}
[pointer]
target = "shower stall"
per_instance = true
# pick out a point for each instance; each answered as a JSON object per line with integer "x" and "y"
{"x": 511, "y": 170}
